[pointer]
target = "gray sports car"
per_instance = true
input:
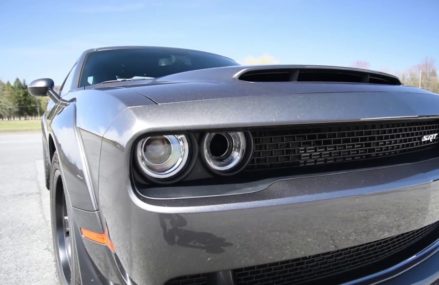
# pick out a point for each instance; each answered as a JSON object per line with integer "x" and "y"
{"x": 179, "y": 167}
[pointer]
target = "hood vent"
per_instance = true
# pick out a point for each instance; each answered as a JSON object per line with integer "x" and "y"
{"x": 318, "y": 75}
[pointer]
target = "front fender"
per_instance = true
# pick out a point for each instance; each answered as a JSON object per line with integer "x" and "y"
{"x": 74, "y": 165}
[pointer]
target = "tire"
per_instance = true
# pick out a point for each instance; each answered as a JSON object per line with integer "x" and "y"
{"x": 63, "y": 234}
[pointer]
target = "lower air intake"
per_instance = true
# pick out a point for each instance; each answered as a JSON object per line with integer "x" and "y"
{"x": 337, "y": 266}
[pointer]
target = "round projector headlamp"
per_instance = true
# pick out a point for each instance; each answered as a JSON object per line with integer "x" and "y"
{"x": 224, "y": 152}
{"x": 162, "y": 157}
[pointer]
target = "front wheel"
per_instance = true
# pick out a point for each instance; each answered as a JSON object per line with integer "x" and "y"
{"x": 64, "y": 243}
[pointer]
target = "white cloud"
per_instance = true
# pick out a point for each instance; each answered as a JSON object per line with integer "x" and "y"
{"x": 261, "y": 59}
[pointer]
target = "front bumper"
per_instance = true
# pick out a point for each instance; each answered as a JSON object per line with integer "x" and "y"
{"x": 422, "y": 268}
{"x": 160, "y": 239}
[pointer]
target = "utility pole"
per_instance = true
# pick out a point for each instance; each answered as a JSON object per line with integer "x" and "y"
{"x": 38, "y": 107}
{"x": 420, "y": 78}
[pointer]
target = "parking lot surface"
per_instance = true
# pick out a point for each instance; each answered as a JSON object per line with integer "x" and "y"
{"x": 26, "y": 253}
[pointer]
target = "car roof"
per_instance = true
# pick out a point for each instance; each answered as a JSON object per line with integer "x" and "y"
{"x": 151, "y": 48}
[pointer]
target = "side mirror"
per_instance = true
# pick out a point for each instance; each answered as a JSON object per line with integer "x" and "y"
{"x": 41, "y": 87}
{"x": 44, "y": 87}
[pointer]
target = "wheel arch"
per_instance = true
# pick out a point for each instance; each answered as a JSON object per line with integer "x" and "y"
{"x": 52, "y": 147}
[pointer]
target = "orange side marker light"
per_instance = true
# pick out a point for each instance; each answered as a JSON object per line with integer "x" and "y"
{"x": 100, "y": 238}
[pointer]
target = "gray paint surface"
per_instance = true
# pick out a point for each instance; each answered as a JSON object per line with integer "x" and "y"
{"x": 220, "y": 233}
{"x": 25, "y": 240}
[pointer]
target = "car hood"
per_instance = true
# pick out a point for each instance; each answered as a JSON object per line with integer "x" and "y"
{"x": 218, "y": 83}
{"x": 215, "y": 98}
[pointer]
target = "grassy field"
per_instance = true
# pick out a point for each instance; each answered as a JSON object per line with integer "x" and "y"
{"x": 20, "y": 125}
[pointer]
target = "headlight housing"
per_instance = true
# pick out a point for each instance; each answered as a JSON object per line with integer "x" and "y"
{"x": 225, "y": 153}
{"x": 162, "y": 157}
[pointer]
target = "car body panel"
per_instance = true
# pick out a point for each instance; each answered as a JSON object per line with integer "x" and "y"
{"x": 74, "y": 167}
{"x": 246, "y": 111}
{"x": 424, "y": 272}
{"x": 162, "y": 236}
{"x": 219, "y": 233}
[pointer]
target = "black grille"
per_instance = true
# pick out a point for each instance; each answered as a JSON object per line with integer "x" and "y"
{"x": 314, "y": 267}
{"x": 198, "y": 279}
{"x": 341, "y": 143}
{"x": 338, "y": 266}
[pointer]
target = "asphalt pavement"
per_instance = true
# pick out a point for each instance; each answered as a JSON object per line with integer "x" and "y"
{"x": 26, "y": 252}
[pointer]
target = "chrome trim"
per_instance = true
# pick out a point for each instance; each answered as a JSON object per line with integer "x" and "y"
{"x": 236, "y": 146}
{"x": 179, "y": 141}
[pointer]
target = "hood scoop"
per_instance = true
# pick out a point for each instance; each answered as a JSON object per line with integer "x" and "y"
{"x": 317, "y": 74}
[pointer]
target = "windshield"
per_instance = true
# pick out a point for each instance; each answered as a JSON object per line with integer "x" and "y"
{"x": 145, "y": 63}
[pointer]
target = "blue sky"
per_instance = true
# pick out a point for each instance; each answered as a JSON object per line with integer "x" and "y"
{"x": 44, "y": 38}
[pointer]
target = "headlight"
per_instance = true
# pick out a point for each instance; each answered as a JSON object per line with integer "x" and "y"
{"x": 225, "y": 153}
{"x": 162, "y": 157}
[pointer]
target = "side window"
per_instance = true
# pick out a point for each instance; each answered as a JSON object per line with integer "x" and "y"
{"x": 67, "y": 84}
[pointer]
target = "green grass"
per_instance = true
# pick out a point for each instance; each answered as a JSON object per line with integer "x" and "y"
{"x": 20, "y": 125}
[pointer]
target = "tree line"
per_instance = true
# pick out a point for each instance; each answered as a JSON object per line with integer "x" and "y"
{"x": 423, "y": 75}
{"x": 17, "y": 103}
